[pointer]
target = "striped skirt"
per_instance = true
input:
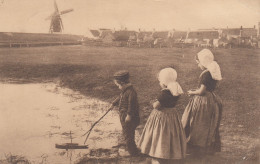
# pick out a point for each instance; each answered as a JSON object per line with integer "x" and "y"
{"x": 201, "y": 120}
{"x": 163, "y": 135}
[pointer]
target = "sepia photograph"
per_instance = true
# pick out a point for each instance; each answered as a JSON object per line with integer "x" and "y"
{"x": 129, "y": 81}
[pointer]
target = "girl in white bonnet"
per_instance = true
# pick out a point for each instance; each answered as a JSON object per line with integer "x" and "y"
{"x": 163, "y": 137}
{"x": 201, "y": 118}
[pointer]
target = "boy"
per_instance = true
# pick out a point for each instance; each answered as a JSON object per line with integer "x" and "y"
{"x": 128, "y": 110}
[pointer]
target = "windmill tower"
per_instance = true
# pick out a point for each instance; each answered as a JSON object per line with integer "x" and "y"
{"x": 56, "y": 25}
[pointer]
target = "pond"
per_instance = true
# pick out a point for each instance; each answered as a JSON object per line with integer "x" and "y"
{"x": 35, "y": 117}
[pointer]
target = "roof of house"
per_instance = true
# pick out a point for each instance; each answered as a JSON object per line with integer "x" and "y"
{"x": 231, "y": 31}
{"x": 95, "y": 33}
{"x": 248, "y": 32}
{"x": 203, "y": 34}
{"x": 244, "y": 32}
{"x": 179, "y": 34}
{"x": 105, "y": 33}
{"x": 161, "y": 34}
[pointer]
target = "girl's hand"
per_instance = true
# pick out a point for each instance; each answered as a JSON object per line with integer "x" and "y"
{"x": 128, "y": 118}
{"x": 190, "y": 92}
{"x": 199, "y": 91}
{"x": 152, "y": 101}
{"x": 156, "y": 105}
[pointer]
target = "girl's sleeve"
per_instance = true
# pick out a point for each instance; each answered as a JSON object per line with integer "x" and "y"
{"x": 206, "y": 79}
{"x": 162, "y": 98}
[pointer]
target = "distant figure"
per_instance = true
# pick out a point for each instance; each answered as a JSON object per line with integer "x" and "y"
{"x": 201, "y": 118}
{"x": 128, "y": 112}
{"x": 163, "y": 137}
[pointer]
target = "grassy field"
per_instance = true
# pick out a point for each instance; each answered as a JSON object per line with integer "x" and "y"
{"x": 90, "y": 70}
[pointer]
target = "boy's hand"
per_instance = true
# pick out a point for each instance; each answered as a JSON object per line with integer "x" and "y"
{"x": 115, "y": 102}
{"x": 128, "y": 118}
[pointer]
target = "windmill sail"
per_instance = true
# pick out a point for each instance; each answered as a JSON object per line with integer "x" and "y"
{"x": 61, "y": 23}
{"x": 66, "y": 11}
{"x": 56, "y": 6}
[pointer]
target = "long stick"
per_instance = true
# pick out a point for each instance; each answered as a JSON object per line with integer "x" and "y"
{"x": 89, "y": 131}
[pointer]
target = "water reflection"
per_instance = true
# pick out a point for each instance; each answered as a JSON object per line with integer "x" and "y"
{"x": 34, "y": 117}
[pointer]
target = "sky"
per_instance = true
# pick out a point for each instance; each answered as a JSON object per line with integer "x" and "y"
{"x": 29, "y": 15}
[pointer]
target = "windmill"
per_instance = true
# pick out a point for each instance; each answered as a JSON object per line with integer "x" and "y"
{"x": 56, "y": 25}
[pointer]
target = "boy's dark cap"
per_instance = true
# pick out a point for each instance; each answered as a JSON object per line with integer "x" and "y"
{"x": 121, "y": 75}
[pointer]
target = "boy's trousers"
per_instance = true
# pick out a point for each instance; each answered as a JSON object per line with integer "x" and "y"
{"x": 128, "y": 129}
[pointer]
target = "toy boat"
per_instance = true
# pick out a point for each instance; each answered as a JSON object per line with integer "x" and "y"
{"x": 70, "y": 146}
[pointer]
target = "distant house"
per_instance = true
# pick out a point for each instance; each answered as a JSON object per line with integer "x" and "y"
{"x": 142, "y": 34}
{"x": 144, "y": 38}
{"x": 179, "y": 35}
{"x": 202, "y": 38}
{"x": 176, "y": 38}
{"x": 132, "y": 40}
{"x": 239, "y": 32}
{"x": 106, "y": 35}
{"x": 248, "y": 37}
{"x": 240, "y": 36}
{"x": 108, "y": 38}
{"x": 123, "y": 35}
{"x": 249, "y": 32}
{"x": 160, "y": 38}
{"x": 231, "y": 32}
